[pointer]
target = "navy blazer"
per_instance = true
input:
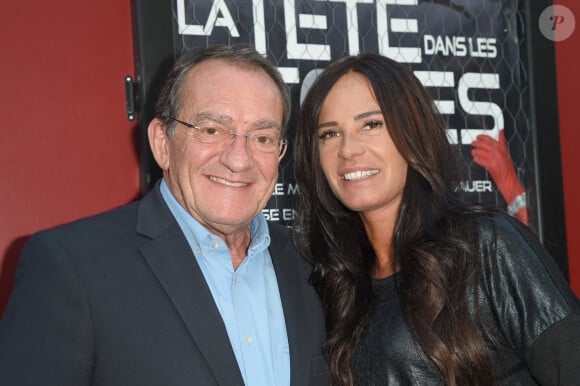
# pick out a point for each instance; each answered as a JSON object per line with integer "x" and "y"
{"x": 119, "y": 299}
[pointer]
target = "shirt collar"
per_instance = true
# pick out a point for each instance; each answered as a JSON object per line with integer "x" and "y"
{"x": 202, "y": 237}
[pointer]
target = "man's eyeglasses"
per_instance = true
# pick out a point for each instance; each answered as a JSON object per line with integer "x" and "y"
{"x": 263, "y": 140}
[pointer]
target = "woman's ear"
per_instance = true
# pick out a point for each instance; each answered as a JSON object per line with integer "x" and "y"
{"x": 159, "y": 142}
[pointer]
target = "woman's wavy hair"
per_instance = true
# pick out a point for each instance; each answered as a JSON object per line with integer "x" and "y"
{"x": 432, "y": 247}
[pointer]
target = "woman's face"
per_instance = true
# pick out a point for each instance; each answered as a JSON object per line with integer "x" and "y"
{"x": 363, "y": 167}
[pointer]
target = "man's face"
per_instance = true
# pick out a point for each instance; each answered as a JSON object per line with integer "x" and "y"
{"x": 224, "y": 186}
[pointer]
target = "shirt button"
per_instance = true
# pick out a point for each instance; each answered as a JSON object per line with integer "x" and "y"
{"x": 249, "y": 339}
{"x": 198, "y": 251}
{"x": 216, "y": 244}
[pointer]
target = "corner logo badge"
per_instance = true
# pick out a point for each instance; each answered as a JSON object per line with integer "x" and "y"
{"x": 557, "y": 23}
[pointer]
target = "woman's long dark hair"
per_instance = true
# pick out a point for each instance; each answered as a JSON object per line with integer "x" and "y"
{"x": 433, "y": 247}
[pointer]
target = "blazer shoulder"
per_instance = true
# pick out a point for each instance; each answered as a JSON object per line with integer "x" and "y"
{"x": 279, "y": 234}
{"x": 149, "y": 213}
{"x": 283, "y": 248}
{"x": 111, "y": 220}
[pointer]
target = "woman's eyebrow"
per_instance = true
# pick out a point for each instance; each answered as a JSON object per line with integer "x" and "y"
{"x": 326, "y": 124}
{"x": 366, "y": 115}
{"x": 357, "y": 117}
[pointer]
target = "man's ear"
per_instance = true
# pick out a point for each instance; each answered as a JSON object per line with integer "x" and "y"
{"x": 159, "y": 143}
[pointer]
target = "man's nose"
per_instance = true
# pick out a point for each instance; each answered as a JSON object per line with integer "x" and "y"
{"x": 237, "y": 155}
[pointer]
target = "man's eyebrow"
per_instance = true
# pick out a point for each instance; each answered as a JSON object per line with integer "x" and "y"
{"x": 224, "y": 119}
{"x": 217, "y": 118}
{"x": 264, "y": 124}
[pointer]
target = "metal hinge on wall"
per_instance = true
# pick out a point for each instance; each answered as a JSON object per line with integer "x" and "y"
{"x": 130, "y": 97}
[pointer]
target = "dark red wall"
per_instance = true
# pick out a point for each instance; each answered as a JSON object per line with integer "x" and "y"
{"x": 67, "y": 149}
{"x": 567, "y": 62}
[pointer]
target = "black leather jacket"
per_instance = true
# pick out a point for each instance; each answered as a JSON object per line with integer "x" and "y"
{"x": 523, "y": 300}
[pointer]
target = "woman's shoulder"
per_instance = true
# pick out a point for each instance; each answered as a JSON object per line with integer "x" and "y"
{"x": 520, "y": 281}
{"x": 508, "y": 237}
{"x": 513, "y": 258}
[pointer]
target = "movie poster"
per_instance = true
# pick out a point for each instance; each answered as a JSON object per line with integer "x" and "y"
{"x": 466, "y": 52}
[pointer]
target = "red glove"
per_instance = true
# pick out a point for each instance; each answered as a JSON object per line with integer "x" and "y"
{"x": 495, "y": 158}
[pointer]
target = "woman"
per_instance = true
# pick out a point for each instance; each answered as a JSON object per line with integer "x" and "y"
{"x": 418, "y": 286}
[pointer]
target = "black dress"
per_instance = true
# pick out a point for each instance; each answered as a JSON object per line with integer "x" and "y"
{"x": 524, "y": 302}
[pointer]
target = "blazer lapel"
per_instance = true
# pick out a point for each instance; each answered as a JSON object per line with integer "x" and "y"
{"x": 284, "y": 259}
{"x": 173, "y": 263}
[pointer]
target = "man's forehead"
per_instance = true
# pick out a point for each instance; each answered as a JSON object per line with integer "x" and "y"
{"x": 221, "y": 94}
{"x": 217, "y": 65}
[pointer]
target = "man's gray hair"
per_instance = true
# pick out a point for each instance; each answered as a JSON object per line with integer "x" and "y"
{"x": 242, "y": 56}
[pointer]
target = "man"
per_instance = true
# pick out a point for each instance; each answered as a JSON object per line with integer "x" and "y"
{"x": 189, "y": 286}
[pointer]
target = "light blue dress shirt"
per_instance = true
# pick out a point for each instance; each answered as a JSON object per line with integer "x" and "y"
{"x": 247, "y": 298}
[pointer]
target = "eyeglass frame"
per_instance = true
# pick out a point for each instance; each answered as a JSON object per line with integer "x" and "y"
{"x": 283, "y": 142}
